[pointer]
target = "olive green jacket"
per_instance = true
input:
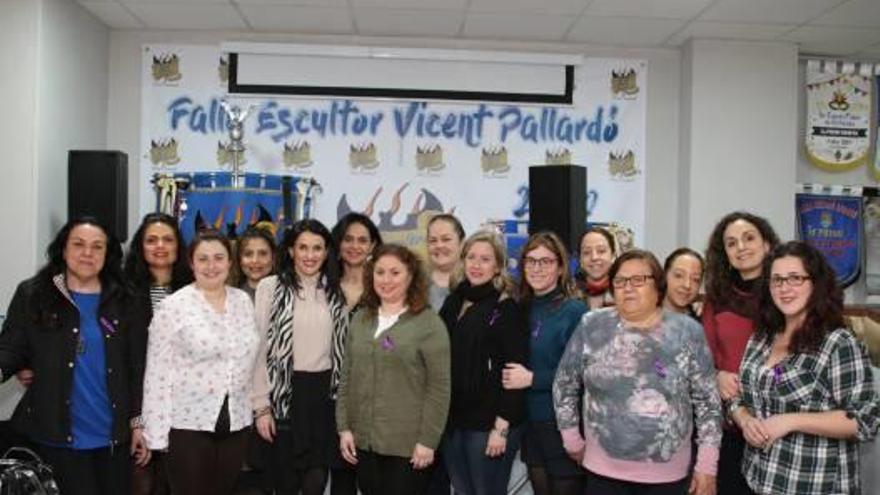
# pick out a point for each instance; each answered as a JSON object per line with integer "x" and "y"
{"x": 394, "y": 389}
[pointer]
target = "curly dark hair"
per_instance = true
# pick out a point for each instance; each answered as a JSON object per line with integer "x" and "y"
{"x": 284, "y": 265}
{"x": 136, "y": 270}
{"x": 554, "y": 244}
{"x": 824, "y": 306}
{"x": 648, "y": 257}
{"x": 416, "y": 293}
{"x": 720, "y": 274}
{"x": 110, "y": 275}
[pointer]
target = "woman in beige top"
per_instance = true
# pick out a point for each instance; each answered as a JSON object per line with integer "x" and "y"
{"x": 302, "y": 324}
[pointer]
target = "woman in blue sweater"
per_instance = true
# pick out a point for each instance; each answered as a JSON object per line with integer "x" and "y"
{"x": 547, "y": 293}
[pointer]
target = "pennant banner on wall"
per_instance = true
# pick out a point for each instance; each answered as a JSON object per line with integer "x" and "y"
{"x": 872, "y": 245}
{"x": 832, "y": 224}
{"x": 400, "y": 160}
{"x": 838, "y": 130}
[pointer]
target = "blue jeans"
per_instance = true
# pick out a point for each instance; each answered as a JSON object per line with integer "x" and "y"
{"x": 471, "y": 471}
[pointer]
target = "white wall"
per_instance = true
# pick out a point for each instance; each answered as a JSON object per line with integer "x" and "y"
{"x": 71, "y": 101}
{"x": 662, "y": 100}
{"x": 19, "y": 20}
{"x": 739, "y": 138}
{"x": 55, "y": 61}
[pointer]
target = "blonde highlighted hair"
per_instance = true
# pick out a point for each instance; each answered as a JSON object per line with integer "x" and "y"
{"x": 501, "y": 280}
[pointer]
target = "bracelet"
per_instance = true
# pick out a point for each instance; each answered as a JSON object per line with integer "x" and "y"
{"x": 502, "y": 432}
{"x": 259, "y": 413}
{"x": 136, "y": 423}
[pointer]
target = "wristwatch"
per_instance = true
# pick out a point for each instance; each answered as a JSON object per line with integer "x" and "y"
{"x": 502, "y": 432}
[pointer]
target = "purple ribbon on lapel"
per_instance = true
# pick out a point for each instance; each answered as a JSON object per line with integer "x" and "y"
{"x": 495, "y": 315}
{"x": 659, "y": 368}
{"x": 536, "y": 332}
{"x": 107, "y": 325}
{"x": 777, "y": 374}
{"x": 387, "y": 344}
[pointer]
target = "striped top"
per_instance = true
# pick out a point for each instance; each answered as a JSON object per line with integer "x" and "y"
{"x": 157, "y": 294}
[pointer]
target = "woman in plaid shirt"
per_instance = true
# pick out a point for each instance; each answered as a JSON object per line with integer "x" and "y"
{"x": 807, "y": 394}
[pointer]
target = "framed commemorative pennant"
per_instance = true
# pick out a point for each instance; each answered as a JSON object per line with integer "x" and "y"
{"x": 839, "y": 103}
{"x": 833, "y": 225}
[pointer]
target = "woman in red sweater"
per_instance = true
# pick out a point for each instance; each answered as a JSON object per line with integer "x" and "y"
{"x": 737, "y": 248}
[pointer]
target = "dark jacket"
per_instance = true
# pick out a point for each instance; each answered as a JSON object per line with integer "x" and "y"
{"x": 41, "y": 333}
{"x": 489, "y": 334}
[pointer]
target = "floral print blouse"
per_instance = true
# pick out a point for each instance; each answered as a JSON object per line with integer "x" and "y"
{"x": 639, "y": 392}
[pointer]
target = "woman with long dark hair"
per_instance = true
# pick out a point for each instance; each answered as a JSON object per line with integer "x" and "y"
{"x": 156, "y": 266}
{"x": 75, "y": 326}
{"x": 807, "y": 391}
{"x": 737, "y": 247}
{"x": 302, "y": 323}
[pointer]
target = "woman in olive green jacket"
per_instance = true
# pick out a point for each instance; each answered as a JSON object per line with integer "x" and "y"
{"x": 394, "y": 389}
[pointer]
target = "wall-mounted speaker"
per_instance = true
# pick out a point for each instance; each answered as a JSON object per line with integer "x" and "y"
{"x": 97, "y": 185}
{"x": 558, "y": 201}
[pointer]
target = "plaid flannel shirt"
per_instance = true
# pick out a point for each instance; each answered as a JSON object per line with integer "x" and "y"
{"x": 837, "y": 377}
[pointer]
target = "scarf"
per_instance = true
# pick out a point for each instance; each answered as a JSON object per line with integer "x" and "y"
{"x": 467, "y": 332}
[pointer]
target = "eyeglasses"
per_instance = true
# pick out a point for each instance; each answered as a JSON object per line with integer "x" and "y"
{"x": 532, "y": 263}
{"x": 792, "y": 280}
{"x": 634, "y": 281}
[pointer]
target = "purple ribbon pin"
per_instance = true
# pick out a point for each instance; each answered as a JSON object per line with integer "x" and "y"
{"x": 387, "y": 344}
{"x": 777, "y": 374}
{"x": 107, "y": 325}
{"x": 494, "y": 317}
{"x": 536, "y": 331}
{"x": 659, "y": 368}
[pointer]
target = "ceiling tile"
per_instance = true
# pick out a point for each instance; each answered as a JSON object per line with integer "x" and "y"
{"x": 859, "y": 13}
{"x": 516, "y": 27}
{"x": 730, "y": 30}
{"x": 174, "y": 2}
{"x": 294, "y": 19}
{"x": 623, "y": 31}
{"x": 668, "y": 9}
{"x": 410, "y": 4}
{"x": 531, "y": 6}
{"x": 298, "y": 3}
{"x": 768, "y": 11}
{"x": 389, "y": 22}
{"x": 871, "y": 51}
{"x": 188, "y": 16}
{"x": 833, "y": 40}
{"x": 113, "y": 15}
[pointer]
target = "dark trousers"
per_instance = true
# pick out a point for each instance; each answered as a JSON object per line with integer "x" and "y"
{"x": 601, "y": 485}
{"x": 204, "y": 463}
{"x": 90, "y": 472}
{"x": 389, "y": 475}
{"x": 150, "y": 479}
{"x": 471, "y": 471}
{"x": 343, "y": 481}
{"x": 730, "y": 478}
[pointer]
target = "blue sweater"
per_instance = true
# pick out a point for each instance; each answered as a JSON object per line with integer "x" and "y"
{"x": 552, "y": 320}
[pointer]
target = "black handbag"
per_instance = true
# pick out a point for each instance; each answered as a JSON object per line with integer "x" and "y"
{"x": 22, "y": 472}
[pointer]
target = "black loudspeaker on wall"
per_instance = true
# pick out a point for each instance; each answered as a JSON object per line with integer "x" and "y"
{"x": 558, "y": 201}
{"x": 97, "y": 185}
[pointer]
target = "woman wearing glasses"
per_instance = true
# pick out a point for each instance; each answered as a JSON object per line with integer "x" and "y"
{"x": 807, "y": 396}
{"x": 547, "y": 294}
{"x": 645, "y": 378}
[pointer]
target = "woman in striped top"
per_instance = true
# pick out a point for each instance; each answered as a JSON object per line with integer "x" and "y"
{"x": 155, "y": 267}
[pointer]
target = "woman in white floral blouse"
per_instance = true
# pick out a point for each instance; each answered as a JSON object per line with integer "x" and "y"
{"x": 807, "y": 392}
{"x": 200, "y": 360}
